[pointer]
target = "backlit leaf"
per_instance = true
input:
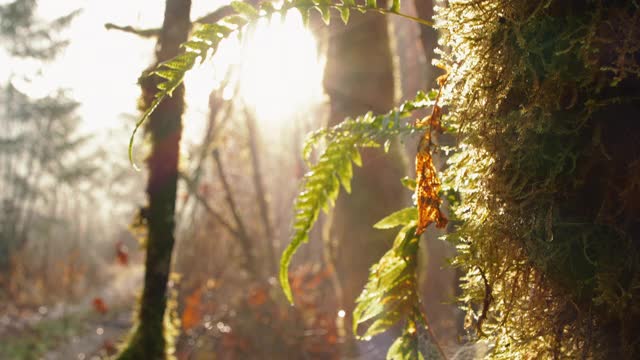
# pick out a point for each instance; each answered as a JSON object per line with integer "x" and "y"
{"x": 390, "y": 294}
{"x": 244, "y": 8}
{"x": 395, "y": 6}
{"x": 406, "y": 347}
{"x": 409, "y": 183}
{"x": 427, "y": 188}
{"x": 398, "y": 218}
{"x": 344, "y": 14}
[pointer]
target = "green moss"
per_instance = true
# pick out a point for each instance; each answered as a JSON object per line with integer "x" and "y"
{"x": 545, "y": 97}
{"x": 144, "y": 343}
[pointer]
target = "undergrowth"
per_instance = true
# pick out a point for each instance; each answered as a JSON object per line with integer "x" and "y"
{"x": 33, "y": 342}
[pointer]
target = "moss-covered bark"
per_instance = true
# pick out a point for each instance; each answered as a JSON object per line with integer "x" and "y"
{"x": 148, "y": 338}
{"x": 545, "y": 96}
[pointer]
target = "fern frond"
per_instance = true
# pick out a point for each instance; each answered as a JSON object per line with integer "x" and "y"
{"x": 407, "y": 346}
{"x": 391, "y": 293}
{"x": 205, "y": 40}
{"x": 321, "y": 185}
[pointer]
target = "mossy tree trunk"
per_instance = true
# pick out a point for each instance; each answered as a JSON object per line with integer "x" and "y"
{"x": 165, "y": 127}
{"x": 359, "y": 78}
{"x": 546, "y": 96}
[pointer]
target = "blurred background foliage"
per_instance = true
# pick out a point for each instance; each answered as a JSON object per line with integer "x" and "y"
{"x": 73, "y": 212}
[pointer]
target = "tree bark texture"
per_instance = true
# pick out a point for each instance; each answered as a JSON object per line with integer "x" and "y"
{"x": 165, "y": 127}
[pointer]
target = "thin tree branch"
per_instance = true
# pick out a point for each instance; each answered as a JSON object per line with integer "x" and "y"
{"x": 215, "y": 101}
{"x": 243, "y": 235}
{"x": 207, "y": 207}
{"x": 211, "y": 18}
{"x": 259, "y": 189}
{"x": 145, "y": 33}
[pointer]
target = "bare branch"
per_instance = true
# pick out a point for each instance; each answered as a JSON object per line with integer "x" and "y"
{"x": 211, "y": 18}
{"x": 259, "y": 189}
{"x": 207, "y": 207}
{"x": 243, "y": 235}
{"x": 145, "y": 33}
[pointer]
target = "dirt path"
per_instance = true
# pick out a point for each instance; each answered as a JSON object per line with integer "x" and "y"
{"x": 73, "y": 331}
{"x": 104, "y": 330}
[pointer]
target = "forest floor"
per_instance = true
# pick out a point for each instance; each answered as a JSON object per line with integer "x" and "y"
{"x": 87, "y": 329}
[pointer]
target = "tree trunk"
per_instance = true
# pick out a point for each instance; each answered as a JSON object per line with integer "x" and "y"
{"x": 359, "y": 78}
{"x": 165, "y": 127}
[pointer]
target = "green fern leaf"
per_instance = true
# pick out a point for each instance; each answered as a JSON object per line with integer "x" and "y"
{"x": 321, "y": 188}
{"x": 212, "y": 32}
{"x": 345, "y": 173}
{"x": 197, "y": 46}
{"x": 406, "y": 347}
{"x": 268, "y": 8}
{"x": 395, "y": 6}
{"x": 245, "y": 9}
{"x": 398, "y": 218}
{"x": 237, "y": 20}
{"x": 391, "y": 286}
{"x": 344, "y": 14}
{"x": 357, "y": 159}
{"x": 304, "y": 6}
{"x": 409, "y": 183}
{"x": 382, "y": 324}
{"x": 324, "y": 7}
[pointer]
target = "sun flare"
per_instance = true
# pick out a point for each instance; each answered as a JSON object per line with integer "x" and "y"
{"x": 277, "y": 68}
{"x": 278, "y": 73}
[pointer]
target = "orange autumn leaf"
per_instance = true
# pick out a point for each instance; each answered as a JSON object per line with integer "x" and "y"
{"x": 99, "y": 305}
{"x": 427, "y": 182}
{"x": 192, "y": 313}
{"x": 427, "y": 189}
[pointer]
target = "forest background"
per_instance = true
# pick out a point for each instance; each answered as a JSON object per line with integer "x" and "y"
{"x": 71, "y": 251}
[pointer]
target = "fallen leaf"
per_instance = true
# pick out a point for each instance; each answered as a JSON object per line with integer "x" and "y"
{"x": 192, "y": 313}
{"x": 100, "y": 306}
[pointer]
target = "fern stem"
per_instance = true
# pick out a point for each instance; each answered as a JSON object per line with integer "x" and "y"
{"x": 424, "y": 22}
{"x": 384, "y": 11}
{"x": 434, "y": 339}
